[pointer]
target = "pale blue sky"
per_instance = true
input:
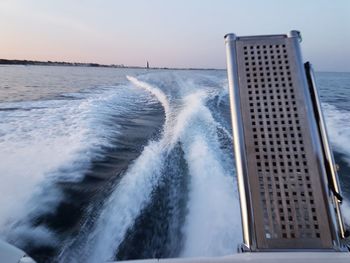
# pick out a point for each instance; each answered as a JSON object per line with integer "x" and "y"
{"x": 181, "y": 33}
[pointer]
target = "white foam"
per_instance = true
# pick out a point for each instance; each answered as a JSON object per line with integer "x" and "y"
{"x": 162, "y": 98}
{"x": 37, "y": 236}
{"x": 345, "y": 208}
{"x": 338, "y": 127}
{"x": 45, "y": 141}
{"x": 213, "y": 223}
{"x": 31, "y": 148}
{"x": 134, "y": 191}
{"x": 131, "y": 195}
{"x": 125, "y": 204}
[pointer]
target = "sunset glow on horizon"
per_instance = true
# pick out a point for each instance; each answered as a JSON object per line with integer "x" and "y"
{"x": 168, "y": 33}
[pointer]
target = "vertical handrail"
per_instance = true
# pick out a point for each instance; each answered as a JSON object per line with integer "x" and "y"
{"x": 329, "y": 159}
{"x": 240, "y": 155}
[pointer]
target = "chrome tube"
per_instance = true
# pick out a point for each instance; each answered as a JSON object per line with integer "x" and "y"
{"x": 315, "y": 134}
{"x": 329, "y": 159}
{"x": 239, "y": 146}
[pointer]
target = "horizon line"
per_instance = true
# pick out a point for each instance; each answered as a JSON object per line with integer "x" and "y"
{"x": 94, "y": 64}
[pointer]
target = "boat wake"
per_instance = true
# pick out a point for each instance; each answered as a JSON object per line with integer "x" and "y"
{"x": 143, "y": 169}
{"x": 339, "y": 132}
{"x": 211, "y": 222}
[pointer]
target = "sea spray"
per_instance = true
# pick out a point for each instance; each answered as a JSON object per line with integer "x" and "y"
{"x": 134, "y": 191}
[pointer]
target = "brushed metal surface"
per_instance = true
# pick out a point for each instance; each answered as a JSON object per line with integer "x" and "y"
{"x": 282, "y": 163}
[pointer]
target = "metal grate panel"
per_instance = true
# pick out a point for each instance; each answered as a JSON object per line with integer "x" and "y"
{"x": 288, "y": 194}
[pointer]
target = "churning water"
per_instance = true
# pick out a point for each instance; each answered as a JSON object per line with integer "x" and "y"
{"x": 104, "y": 164}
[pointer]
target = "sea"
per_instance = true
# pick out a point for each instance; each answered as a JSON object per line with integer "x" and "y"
{"x": 101, "y": 164}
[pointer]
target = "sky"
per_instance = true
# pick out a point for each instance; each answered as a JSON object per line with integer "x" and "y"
{"x": 177, "y": 33}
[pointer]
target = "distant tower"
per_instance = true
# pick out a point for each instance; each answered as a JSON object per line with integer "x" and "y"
{"x": 147, "y": 65}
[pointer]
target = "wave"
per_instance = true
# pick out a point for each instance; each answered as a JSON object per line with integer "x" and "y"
{"x": 140, "y": 170}
{"x": 53, "y": 144}
{"x": 337, "y": 122}
{"x": 131, "y": 195}
{"x": 338, "y": 127}
{"x": 188, "y": 122}
{"x": 162, "y": 98}
{"x": 212, "y": 225}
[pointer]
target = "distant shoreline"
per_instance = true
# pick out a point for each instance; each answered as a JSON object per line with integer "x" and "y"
{"x": 79, "y": 64}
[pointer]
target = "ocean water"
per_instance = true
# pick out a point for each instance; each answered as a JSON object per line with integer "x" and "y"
{"x": 102, "y": 164}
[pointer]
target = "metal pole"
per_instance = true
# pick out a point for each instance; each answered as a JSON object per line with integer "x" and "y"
{"x": 240, "y": 155}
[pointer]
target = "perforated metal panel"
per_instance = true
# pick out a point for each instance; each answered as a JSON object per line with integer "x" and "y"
{"x": 287, "y": 198}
